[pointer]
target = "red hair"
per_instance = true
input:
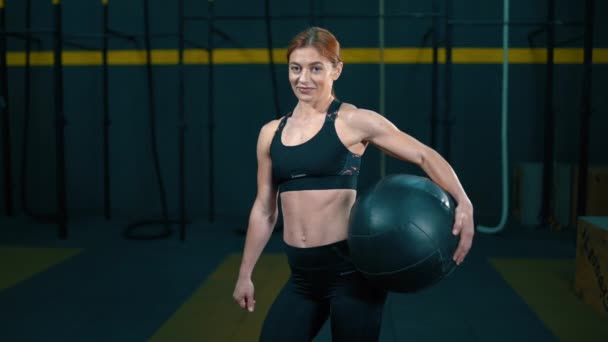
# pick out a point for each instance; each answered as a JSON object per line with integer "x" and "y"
{"x": 321, "y": 39}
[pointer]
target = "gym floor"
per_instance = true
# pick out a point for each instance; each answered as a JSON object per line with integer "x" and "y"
{"x": 97, "y": 286}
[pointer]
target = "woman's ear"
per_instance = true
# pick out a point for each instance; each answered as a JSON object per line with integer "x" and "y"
{"x": 337, "y": 71}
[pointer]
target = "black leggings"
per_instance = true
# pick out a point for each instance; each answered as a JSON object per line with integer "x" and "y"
{"x": 324, "y": 283}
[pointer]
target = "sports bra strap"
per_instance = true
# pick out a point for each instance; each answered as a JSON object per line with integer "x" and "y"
{"x": 283, "y": 122}
{"x": 332, "y": 112}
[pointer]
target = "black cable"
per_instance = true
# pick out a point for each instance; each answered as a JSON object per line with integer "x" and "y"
{"x": 313, "y": 17}
{"x": 118, "y": 34}
{"x": 22, "y": 36}
{"x": 567, "y": 41}
{"x": 194, "y": 44}
{"x": 60, "y": 217}
{"x": 272, "y": 69}
{"x": 6, "y": 132}
{"x": 130, "y": 232}
{"x": 25, "y": 34}
{"x": 533, "y": 34}
{"x": 79, "y": 46}
{"x": 585, "y": 118}
{"x": 27, "y": 113}
{"x": 484, "y": 22}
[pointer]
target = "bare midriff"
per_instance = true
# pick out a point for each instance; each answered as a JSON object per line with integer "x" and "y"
{"x": 316, "y": 217}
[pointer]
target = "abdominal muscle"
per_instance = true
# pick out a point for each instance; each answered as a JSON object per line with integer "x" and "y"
{"x": 316, "y": 217}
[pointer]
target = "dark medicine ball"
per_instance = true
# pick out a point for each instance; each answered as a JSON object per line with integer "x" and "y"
{"x": 400, "y": 233}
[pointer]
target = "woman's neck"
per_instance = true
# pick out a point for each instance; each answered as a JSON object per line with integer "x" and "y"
{"x": 313, "y": 108}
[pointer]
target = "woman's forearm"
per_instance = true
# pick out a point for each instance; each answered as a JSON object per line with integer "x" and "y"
{"x": 440, "y": 171}
{"x": 261, "y": 225}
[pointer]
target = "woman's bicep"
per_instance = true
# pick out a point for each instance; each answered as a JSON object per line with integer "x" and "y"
{"x": 266, "y": 192}
{"x": 382, "y": 133}
{"x": 266, "y": 187}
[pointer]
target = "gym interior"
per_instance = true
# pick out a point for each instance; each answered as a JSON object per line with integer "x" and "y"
{"x": 128, "y": 137}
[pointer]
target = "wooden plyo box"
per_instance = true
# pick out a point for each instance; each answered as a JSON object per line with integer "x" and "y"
{"x": 591, "y": 278}
{"x": 597, "y": 191}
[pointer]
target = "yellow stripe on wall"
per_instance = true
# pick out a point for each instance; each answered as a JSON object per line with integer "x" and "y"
{"x": 600, "y": 55}
{"x": 477, "y": 56}
{"x": 1, "y": 3}
{"x": 41, "y": 58}
{"x": 81, "y": 58}
{"x": 350, "y": 56}
{"x": 412, "y": 55}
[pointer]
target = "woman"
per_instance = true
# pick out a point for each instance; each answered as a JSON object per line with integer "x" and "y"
{"x": 311, "y": 158}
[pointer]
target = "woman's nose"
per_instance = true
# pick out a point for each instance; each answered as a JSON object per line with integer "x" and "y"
{"x": 304, "y": 75}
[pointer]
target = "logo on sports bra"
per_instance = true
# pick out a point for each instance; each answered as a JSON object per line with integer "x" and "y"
{"x": 299, "y": 175}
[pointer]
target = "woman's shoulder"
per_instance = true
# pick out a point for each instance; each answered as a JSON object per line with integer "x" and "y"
{"x": 346, "y": 107}
{"x": 353, "y": 114}
{"x": 269, "y": 128}
{"x": 267, "y": 133}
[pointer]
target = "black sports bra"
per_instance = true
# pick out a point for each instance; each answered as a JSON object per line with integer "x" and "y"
{"x": 323, "y": 162}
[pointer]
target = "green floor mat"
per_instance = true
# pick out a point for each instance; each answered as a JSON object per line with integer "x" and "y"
{"x": 20, "y": 263}
{"x": 212, "y": 315}
{"x": 546, "y": 285}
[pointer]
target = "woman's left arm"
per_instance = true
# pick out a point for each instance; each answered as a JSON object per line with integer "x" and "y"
{"x": 376, "y": 129}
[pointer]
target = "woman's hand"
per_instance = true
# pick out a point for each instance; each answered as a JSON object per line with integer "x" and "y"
{"x": 243, "y": 294}
{"x": 463, "y": 226}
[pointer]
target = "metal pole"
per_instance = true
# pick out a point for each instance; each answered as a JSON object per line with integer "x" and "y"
{"x": 585, "y": 118}
{"x": 273, "y": 78}
{"x": 62, "y": 229}
{"x": 381, "y": 78}
{"x": 4, "y": 110}
{"x": 182, "y": 123}
{"x": 447, "y": 116}
{"x": 549, "y": 117}
{"x": 210, "y": 113}
{"x": 434, "y": 75}
{"x": 27, "y": 114}
{"x": 106, "y": 112}
{"x": 504, "y": 113}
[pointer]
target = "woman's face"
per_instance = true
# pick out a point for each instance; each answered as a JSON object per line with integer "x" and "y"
{"x": 311, "y": 75}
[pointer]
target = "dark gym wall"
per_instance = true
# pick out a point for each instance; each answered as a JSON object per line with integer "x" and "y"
{"x": 244, "y": 100}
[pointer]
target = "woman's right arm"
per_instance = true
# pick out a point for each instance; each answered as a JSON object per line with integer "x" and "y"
{"x": 263, "y": 215}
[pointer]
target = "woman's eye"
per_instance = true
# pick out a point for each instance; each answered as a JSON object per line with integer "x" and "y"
{"x": 295, "y": 69}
